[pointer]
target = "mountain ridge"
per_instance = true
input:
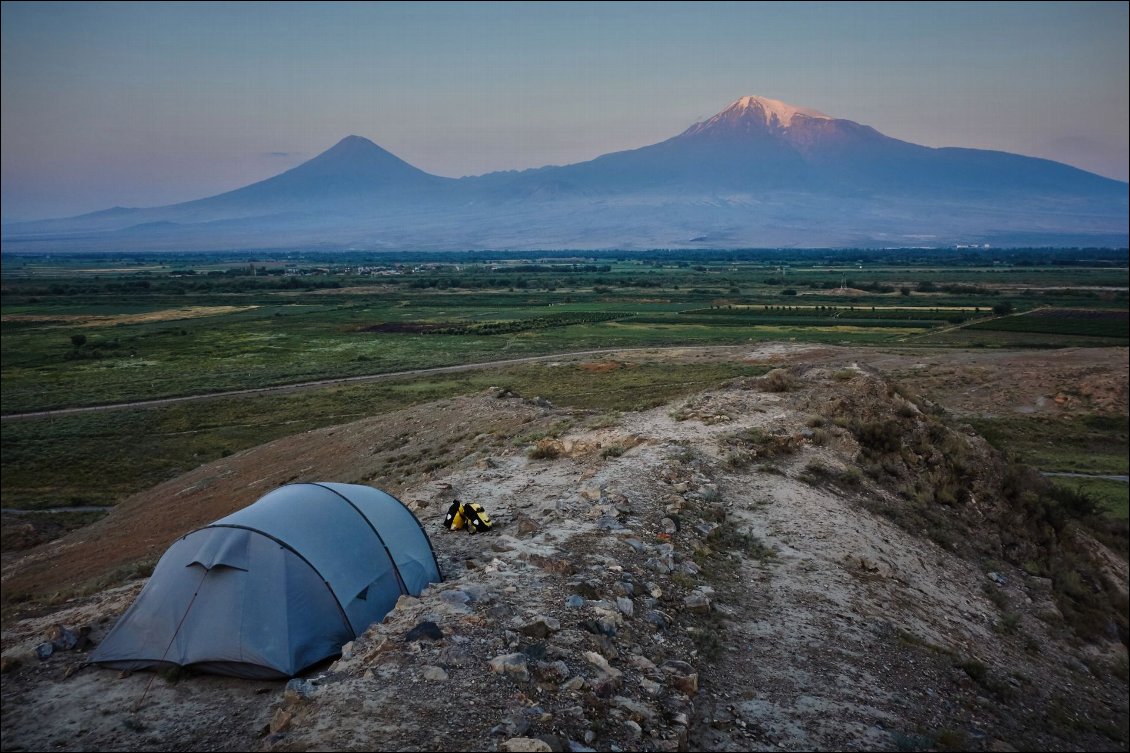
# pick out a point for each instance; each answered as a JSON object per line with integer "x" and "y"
{"x": 760, "y": 172}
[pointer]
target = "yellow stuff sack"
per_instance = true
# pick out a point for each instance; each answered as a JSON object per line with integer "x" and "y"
{"x": 476, "y": 517}
{"x": 455, "y": 519}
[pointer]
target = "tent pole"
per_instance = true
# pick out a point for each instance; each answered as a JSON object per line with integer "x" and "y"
{"x": 165, "y": 653}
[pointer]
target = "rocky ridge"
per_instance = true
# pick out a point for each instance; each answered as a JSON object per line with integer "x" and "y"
{"x": 729, "y": 572}
{"x": 652, "y": 588}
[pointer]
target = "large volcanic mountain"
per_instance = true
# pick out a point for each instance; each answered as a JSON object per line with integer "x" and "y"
{"x": 760, "y": 173}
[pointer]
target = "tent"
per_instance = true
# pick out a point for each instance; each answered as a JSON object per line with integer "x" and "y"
{"x": 277, "y": 586}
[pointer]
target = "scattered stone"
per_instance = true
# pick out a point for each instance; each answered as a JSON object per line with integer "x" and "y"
{"x": 642, "y": 663}
{"x": 589, "y": 589}
{"x": 525, "y": 745}
{"x": 426, "y": 630}
{"x": 575, "y": 601}
{"x": 599, "y": 626}
{"x": 602, "y": 664}
{"x": 526, "y": 527}
{"x": 513, "y": 665}
{"x": 625, "y": 605}
{"x": 556, "y": 671}
{"x": 280, "y": 722}
{"x": 476, "y": 592}
{"x": 455, "y": 596}
{"x": 458, "y": 656}
{"x": 610, "y": 523}
{"x": 573, "y": 714}
{"x": 511, "y": 726}
{"x": 636, "y": 711}
{"x": 657, "y": 618}
{"x": 597, "y": 511}
{"x": 606, "y": 647}
{"x": 535, "y": 651}
{"x": 298, "y": 689}
{"x": 669, "y": 525}
{"x": 681, "y": 676}
{"x": 635, "y": 732}
{"x": 569, "y": 637}
{"x": 650, "y": 688}
{"x": 704, "y": 529}
{"x": 44, "y": 651}
{"x": 574, "y": 684}
{"x": 540, "y": 627}
{"x": 662, "y": 564}
{"x": 434, "y": 674}
{"x": 555, "y": 743}
{"x": 697, "y": 602}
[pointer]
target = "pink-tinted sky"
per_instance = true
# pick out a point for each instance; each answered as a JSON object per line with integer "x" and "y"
{"x": 140, "y": 104}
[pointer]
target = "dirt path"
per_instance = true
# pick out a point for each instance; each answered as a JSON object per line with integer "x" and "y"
{"x": 285, "y": 388}
{"x": 965, "y": 380}
{"x": 1066, "y": 474}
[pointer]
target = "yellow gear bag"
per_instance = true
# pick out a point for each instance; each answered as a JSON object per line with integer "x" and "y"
{"x": 455, "y": 520}
{"x": 477, "y": 518}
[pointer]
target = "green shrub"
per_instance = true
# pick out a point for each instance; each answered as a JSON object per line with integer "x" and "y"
{"x": 878, "y": 437}
{"x": 777, "y": 380}
{"x": 545, "y": 451}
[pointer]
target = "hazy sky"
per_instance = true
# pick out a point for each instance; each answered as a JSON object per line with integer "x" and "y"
{"x": 144, "y": 104}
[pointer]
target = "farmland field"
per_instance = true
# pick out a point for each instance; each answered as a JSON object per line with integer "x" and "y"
{"x": 87, "y": 329}
{"x": 1075, "y": 322}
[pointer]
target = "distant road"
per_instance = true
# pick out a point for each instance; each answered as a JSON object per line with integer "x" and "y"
{"x": 1123, "y": 479}
{"x": 284, "y": 388}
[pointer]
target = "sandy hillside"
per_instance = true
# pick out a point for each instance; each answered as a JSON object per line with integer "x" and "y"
{"x": 721, "y": 573}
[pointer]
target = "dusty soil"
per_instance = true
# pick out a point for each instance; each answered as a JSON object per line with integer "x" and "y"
{"x": 1067, "y": 381}
{"x": 807, "y": 622}
{"x": 165, "y": 315}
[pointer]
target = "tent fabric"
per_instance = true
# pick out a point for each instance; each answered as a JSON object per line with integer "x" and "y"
{"x": 277, "y": 586}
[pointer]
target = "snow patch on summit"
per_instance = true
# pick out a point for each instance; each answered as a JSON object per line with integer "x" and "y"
{"x": 773, "y": 108}
{"x": 758, "y": 111}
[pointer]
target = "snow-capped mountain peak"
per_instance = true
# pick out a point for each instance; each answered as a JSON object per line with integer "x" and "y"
{"x": 772, "y": 109}
{"x": 755, "y": 112}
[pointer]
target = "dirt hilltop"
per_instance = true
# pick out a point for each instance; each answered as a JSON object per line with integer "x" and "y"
{"x": 815, "y": 559}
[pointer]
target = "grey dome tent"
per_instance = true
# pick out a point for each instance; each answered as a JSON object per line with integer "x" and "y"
{"x": 277, "y": 586}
